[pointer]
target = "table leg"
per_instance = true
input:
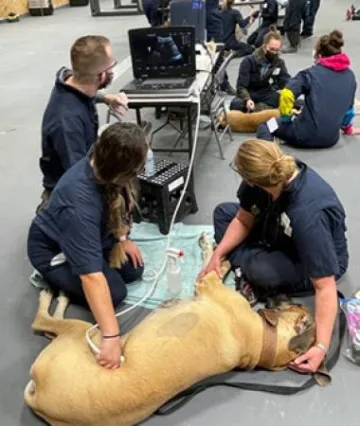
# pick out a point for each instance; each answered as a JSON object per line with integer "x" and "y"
{"x": 138, "y": 116}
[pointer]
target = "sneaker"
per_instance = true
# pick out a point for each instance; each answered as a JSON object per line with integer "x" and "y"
{"x": 37, "y": 280}
{"x": 289, "y": 49}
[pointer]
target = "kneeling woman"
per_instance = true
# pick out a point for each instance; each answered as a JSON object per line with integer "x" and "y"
{"x": 261, "y": 75}
{"x": 79, "y": 242}
{"x": 287, "y": 235}
{"x": 329, "y": 89}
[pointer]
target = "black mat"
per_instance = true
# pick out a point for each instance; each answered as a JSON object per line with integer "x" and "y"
{"x": 284, "y": 382}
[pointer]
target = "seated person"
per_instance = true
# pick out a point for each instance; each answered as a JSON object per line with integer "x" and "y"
{"x": 353, "y": 14}
{"x": 287, "y": 235}
{"x": 214, "y": 26}
{"x": 329, "y": 89}
{"x": 269, "y": 16}
{"x": 155, "y": 16}
{"x": 261, "y": 75}
{"x": 231, "y": 18}
{"x": 79, "y": 241}
{"x": 70, "y": 121}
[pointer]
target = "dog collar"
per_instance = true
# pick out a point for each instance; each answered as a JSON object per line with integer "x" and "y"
{"x": 268, "y": 352}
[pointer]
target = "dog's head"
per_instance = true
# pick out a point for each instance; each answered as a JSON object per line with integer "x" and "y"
{"x": 296, "y": 332}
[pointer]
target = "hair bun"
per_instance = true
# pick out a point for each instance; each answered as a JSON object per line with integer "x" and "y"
{"x": 281, "y": 168}
{"x": 336, "y": 39}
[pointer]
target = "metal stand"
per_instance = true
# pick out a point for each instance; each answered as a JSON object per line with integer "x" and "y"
{"x": 135, "y": 8}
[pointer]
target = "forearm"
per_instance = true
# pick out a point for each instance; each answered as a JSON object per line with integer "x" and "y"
{"x": 326, "y": 307}
{"x": 100, "y": 98}
{"x": 235, "y": 234}
{"x": 243, "y": 93}
{"x": 97, "y": 294}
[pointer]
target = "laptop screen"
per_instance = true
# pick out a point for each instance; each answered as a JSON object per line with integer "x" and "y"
{"x": 163, "y": 52}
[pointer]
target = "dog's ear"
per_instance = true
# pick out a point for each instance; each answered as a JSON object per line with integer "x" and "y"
{"x": 271, "y": 316}
{"x": 322, "y": 376}
{"x": 303, "y": 341}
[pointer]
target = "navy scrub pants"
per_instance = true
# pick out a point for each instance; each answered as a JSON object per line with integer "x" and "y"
{"x": 268, "y": 97}
{"x": 309, "y": 15}
{"x": 269, "y": 271}
{"x": 41, "y": 250}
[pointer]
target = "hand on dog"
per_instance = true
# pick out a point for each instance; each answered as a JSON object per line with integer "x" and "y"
{"x": 213, "y": 265}
{"x": 310, "y": 361}
{"x": 134, "y": 253}
{"x": 250, "y": 105}
{"x": 110, "y": 354}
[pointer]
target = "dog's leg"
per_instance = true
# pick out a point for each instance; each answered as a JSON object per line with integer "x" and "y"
{"x": 207, "y": 251}
{"x": 51, "y": 326}
{"x": 62, "y": 304}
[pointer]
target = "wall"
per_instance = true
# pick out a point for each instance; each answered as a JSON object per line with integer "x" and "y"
{"x": 21, "y": 6}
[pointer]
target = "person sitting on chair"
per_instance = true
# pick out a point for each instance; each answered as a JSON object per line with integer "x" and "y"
{"x": 287, "y": 235}
{"x": 269, "y": 16}
{"x": 261, "y": 75}
{"x": 79, "y": 241}
{"x": 70, "y": 122}
{"x": 329, "y": 89}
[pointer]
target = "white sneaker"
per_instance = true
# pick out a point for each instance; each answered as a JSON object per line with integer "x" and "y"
{"x": 37, "y": 280}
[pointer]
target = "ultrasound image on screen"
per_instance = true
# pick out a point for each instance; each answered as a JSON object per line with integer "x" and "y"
{"x": 152, "y": 52}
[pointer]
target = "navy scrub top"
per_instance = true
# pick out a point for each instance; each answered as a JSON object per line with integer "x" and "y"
{"x": 307, "y": 222}
{"x": 76, "y": 219}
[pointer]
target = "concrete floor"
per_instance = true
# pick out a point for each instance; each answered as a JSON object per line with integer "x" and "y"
{"x": 31, "y": 52}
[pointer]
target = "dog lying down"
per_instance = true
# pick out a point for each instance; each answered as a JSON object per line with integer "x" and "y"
{"x": 181, "y": 343}
{"x": 242, "y": 122}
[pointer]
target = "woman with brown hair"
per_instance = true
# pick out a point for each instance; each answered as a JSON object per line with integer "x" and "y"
{"x": 329, "y": 89}
{"x": 79, "y": 242}
{"x": 286, "y": 235}
{"x": 261, "y": 75}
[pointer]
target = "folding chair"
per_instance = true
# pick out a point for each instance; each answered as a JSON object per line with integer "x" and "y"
{"x": 217, "y": 105}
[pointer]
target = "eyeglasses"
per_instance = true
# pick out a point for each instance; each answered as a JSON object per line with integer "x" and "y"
{"x": 233, "y": 167}
{"x": 113, "y": 65}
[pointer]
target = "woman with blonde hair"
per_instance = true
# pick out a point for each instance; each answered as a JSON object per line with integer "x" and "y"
{"x": 80, "y": 241}
{"x": 286, "y": 234}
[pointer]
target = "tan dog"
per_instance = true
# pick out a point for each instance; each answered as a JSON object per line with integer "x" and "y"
{"x": 242, "y": 122}
{"x": 170, "y": 350}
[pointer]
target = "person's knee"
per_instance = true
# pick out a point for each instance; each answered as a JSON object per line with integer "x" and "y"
{"x": 118, "y": 294}
{"x": 236, "y": 104}
{"x": 135, "y": 275}
{"x": 223, "y": 214}
{"x": 263, "y": 275}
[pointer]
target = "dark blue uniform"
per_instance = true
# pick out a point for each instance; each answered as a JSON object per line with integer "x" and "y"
{"x": 299, "y": 236}
{"x": 75, "y": 223}
{"x": 260, "y": 80}
{"x": 269, "y": 16}
{"x": 214, "y": 27}
{"x": 69, "y": 128}
{"x": 329, "y": 88}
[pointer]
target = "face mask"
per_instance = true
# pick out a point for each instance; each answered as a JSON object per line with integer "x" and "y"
{"x": 108, "y": 80}
{"x": 270, "y": 56}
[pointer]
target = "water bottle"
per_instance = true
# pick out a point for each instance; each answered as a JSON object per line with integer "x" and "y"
{"x": 150, "y": 163}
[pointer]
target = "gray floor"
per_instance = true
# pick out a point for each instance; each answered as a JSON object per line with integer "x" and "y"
{"x": 31, "y": 51}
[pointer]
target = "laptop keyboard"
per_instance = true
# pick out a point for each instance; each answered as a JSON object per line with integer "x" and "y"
{"x": 162, "y": 85}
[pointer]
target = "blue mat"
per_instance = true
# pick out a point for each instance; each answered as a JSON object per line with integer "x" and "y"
{"x": 153, "y": 245}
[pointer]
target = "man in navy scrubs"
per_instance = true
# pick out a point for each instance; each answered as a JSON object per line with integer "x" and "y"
{"x": 70, "y": 121}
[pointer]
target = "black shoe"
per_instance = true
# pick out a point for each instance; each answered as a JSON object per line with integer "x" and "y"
{"x": 305, "y": 36}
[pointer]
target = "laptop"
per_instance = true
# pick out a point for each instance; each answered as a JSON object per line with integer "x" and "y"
{"x": 163, "y": 62}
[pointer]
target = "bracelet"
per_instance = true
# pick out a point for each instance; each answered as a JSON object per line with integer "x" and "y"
{"x": 322, "y": 347}
{"x": 114, "y": 336}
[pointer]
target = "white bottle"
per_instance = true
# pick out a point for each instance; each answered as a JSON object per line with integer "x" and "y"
{"x": 150, "y": 163}
{"x": 173, "y": 273}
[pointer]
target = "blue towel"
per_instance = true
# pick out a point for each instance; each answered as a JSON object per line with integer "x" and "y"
{"x": 153, "y": 245}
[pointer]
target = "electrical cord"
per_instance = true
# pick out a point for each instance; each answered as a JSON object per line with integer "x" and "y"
{"x": 156, "y": 275}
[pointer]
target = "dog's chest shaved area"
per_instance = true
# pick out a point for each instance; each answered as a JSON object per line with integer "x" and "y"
{"x": 178, "y": 326}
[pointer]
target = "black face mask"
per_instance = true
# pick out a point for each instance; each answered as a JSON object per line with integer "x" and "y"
{"x": 270, "y": 56}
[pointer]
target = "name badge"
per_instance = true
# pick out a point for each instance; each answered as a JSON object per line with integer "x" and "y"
{"x": 276, "y": 71}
